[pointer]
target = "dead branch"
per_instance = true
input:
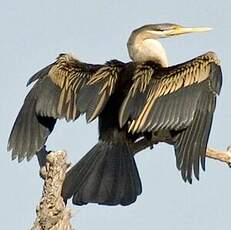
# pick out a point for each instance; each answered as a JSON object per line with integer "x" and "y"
{"x": 223, "y": 156}
{"x": 51, "y": 212}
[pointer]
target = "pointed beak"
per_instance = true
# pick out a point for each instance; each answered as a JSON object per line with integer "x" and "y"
{"x": 186, "y": 30}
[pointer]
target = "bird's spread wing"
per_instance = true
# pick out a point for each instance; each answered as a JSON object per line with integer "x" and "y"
{"x": 64, "y": 89}
{"x": 179, "y": 98}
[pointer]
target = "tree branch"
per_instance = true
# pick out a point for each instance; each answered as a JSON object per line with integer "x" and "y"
{"x": 51, "y": 212}
{"x": 223, "y": 156}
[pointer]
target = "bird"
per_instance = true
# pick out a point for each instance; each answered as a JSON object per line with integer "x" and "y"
{"x": 143, "y": 99}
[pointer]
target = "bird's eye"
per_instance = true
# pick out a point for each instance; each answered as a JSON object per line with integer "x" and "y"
{"x": 159, "y": 29}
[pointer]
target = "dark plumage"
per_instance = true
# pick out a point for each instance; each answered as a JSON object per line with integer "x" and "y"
{"x": 131, "y": 100}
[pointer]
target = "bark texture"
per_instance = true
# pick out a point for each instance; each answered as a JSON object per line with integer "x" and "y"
{"x": 51, "y": 212}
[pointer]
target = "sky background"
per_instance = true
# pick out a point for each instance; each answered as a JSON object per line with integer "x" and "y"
{"x": 33, "y": 33}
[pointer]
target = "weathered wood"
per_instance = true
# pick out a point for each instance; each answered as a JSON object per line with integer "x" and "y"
{"x": 223, "y": 156}
{"x": 51, "y": 212}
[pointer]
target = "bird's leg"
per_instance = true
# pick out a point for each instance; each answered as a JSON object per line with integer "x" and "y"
{"x": 144, "y": 143}
{"x": 42, "y": 158}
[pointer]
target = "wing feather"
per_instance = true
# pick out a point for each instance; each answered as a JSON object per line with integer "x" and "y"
{"x": 191, "y": 143}
{"x": 30, "y": 130}
{"x": 94, "y": 95}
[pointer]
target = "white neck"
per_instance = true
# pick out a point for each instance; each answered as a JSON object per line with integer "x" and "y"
{"x": 147, "y": 50}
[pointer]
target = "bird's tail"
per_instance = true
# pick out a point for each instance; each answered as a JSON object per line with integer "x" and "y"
{"x": 107, "y": 175}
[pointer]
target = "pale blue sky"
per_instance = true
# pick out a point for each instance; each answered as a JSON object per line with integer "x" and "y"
{"x": 33, "y": 33}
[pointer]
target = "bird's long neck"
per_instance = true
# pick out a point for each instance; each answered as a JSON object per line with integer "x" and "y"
{"x": 141, "y": 50}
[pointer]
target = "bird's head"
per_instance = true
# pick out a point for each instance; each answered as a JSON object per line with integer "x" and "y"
{"x": 164, "y": 30}
{"x": 143, "y": 40}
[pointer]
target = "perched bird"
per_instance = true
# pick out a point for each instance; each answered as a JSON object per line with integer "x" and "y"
{"x": 144, "y": 98}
